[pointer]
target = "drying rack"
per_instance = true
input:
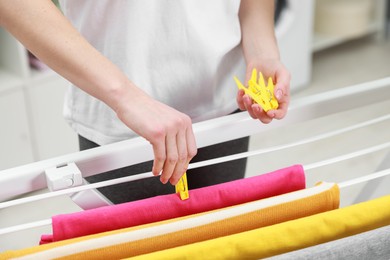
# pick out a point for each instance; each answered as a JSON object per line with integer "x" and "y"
{"x": 24, "y": 189}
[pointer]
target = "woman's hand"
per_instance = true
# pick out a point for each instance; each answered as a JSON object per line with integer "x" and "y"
{"x": 261, "y": 52}
{"x": 281, "y": 77}
{"x": 168, "y": 130}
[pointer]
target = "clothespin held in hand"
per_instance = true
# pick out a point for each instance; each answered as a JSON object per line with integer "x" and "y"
{"x": 182, "y": 187}
{"x": 259, "y": 92}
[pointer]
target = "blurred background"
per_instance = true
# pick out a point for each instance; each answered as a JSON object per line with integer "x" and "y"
{"x": 325, "y": 44}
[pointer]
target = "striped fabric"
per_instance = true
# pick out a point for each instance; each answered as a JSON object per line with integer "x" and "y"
{"x": 190, "y": 229}
{"x": 150, "y": 210}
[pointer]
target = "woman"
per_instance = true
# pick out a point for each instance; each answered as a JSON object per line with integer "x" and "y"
{"x": 152, "y": 68}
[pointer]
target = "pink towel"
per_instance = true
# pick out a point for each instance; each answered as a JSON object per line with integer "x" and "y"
{"x": 170, "y": 206}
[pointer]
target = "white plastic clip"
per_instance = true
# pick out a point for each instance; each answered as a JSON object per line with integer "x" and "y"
{"x": 64, "y": 176}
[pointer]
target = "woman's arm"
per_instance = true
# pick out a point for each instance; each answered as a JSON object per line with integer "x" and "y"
{"x": 42, "y": 28}
{"x": 261, "y": 52}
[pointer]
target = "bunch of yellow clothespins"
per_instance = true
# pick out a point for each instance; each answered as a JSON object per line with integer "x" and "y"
{"x": 262, "y": 94}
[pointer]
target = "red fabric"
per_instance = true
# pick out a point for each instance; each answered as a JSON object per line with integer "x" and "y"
{"x": 170, "y": 206}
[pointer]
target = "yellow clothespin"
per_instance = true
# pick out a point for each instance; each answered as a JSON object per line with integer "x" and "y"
{"x": 182, "y": 187}
{"x": 259, "y": 92}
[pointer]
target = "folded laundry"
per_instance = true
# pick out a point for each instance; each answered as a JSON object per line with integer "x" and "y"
{"x": 191, "y": 229}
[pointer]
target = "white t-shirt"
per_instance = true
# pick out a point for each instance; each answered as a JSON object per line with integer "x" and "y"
{"x": 182, "y": 53}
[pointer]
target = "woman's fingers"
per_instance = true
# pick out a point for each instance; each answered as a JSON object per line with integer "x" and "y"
{"x": 174, "y": 154}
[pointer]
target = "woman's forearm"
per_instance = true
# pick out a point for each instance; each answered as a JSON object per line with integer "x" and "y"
{"x": 43, "y": 29}
{"x": 257, "y": 26}
{"x": 261, "y": 52}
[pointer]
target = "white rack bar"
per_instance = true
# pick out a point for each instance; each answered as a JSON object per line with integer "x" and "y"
{"x": 347, "y": 156}
{"x": 199, "y": 164}
{"x": 365, "y": 178}
{"x": 26, "y": 226}
{"x": 289, "y": 145}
